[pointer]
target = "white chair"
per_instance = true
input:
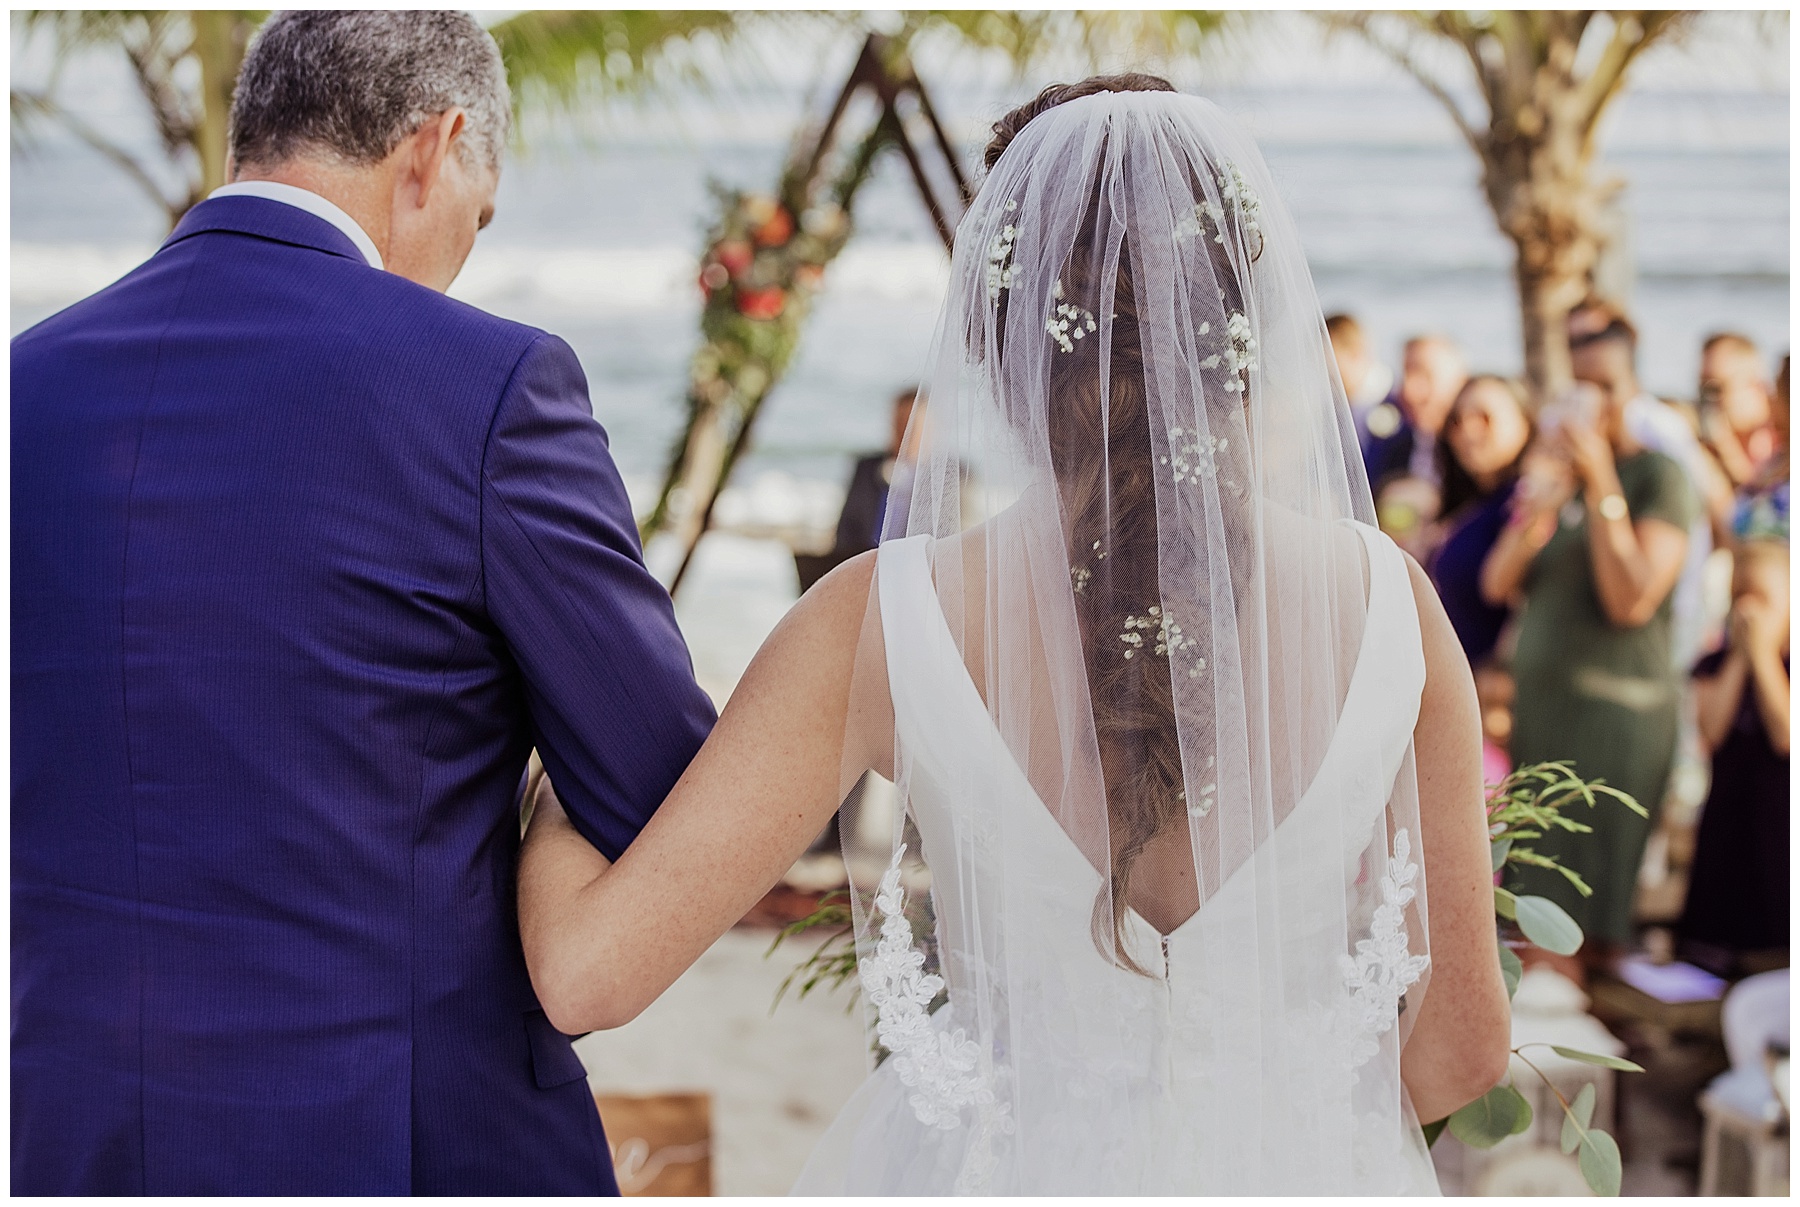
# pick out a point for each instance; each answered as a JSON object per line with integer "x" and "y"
{"x": 1744, "y": 1148}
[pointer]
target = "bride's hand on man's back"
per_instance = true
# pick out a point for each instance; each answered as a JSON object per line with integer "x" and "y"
{"x": 603, "y": 941}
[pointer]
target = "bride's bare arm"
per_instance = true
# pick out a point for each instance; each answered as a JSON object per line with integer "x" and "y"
{"x": 1458, "y": 1047}
{"x": 604, "y": 942}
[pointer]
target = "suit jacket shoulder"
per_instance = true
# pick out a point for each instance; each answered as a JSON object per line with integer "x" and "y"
{"x": 305, "y": 560}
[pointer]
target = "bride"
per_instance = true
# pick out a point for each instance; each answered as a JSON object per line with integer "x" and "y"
{"x": 1190, "y": 891}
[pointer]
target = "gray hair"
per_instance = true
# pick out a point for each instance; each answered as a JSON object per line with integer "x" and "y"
{"x": 356, "y": 84}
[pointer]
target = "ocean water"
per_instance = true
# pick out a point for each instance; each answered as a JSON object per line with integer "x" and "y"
{"x": 598, "y": 243}
{"x": 597, "y": 234}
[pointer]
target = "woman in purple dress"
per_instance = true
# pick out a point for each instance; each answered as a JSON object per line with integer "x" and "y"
{"x": 1484, "y": 442}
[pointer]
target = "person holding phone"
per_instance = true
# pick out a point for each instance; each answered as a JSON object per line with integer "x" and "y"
{"x": 1735, "y": 406}
{"x": 1592, "y": 550}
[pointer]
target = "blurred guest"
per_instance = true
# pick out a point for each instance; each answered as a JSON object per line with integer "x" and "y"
{"x": 1366, "y": 380}
{"x": 866, "y": 501}
{"x": 1611, "y": 356}
{"x": 1760, "y": 510}
{"x": 1403, "y": 429}
{"x": 1594, "y": 547}
{"x": 1734, "y": 406}
{"x": 1592, "y": 315}
{"x": 866, "y": 498}
{"x": 1738, "y": 886}
{"x": 1483, "y": 446}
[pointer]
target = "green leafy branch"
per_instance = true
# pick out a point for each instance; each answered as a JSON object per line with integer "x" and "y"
{"x": 833, "y": 962}
{"x": 1526, "y": 805}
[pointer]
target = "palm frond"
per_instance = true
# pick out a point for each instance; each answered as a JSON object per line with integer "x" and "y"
{"x": 165, "y": 54}
{"x": 1022, "y": 37}
{"x": 29, "y": 110}
{"x": 567, "y": 56}
{"x": 73, "y": 28}
{"x": 1098, "y": 39}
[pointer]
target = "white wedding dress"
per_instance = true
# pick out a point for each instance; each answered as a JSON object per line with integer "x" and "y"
{"x": 1169, "y": 1065}
{"x": 1153, "y": 918}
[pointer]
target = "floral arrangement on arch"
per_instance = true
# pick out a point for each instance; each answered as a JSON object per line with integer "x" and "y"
{"x": 762, "y": 265}
{"x": 764, "y": 260}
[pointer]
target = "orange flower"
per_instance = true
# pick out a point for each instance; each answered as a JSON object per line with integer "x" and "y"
{"x": 776, "y": 231}
{"x": 761, "y": 303}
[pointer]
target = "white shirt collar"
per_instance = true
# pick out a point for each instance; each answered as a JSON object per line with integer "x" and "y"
{"x": 312, "y": 203}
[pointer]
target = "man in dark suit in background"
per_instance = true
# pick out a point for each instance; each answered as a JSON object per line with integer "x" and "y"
{"x": 866, "y": 499}
{"x": 306, "y": 558}
{"x": 1400, "y": 435}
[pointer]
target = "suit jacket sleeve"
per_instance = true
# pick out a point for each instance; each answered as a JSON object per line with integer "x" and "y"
{"x": 614, "y": 707}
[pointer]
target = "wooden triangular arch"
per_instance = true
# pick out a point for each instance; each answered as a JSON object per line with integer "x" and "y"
{"x": 763, "y": 261}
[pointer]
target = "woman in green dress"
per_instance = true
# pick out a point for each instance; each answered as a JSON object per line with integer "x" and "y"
{"x": 1593, "y": 551}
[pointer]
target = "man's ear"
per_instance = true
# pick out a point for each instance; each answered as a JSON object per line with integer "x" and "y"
{"x": 432, "y": 144}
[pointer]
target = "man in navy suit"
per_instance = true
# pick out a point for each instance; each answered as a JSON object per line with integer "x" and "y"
{"x": 306, "y": 558}
{"x": 1399, "y": 436}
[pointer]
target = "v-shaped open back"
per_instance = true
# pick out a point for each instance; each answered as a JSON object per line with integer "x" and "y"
{"x": 1273, "y": 1006}
{"x": 939, "y": 711}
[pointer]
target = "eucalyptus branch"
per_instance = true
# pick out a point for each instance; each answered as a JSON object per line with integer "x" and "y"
{"x": 1527, "y": 804}
{"x": 1527, "y": 1062}
{"x": 1592, "y": 1058}
{"x": 1525, "y": 856}
{"x": 1504, "y": 1112}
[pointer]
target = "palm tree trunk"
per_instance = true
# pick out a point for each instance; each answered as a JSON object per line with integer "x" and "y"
{"x": 1544, "y": 305}
{"x": 1545, "y": 203}
{"x": 1536, "y": 146}
{"x": 219, "y": 44}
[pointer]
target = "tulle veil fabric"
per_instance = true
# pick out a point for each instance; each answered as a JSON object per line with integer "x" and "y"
{"x": 1151, "y": 916}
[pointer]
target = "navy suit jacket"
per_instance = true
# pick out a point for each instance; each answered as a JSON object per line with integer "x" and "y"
{"x": 1385, "y": 456}
{"x": 305, "y": 560}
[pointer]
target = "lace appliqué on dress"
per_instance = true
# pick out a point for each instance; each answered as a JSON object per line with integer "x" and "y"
{"x": 1383, "y": 967}
{"x": 943, "y": 1068}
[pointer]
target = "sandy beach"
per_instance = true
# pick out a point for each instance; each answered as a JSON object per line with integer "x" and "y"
{"x": 777, "y": 1077}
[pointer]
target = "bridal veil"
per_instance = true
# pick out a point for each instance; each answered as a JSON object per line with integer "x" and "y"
{"x": 1140, "y": 521}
